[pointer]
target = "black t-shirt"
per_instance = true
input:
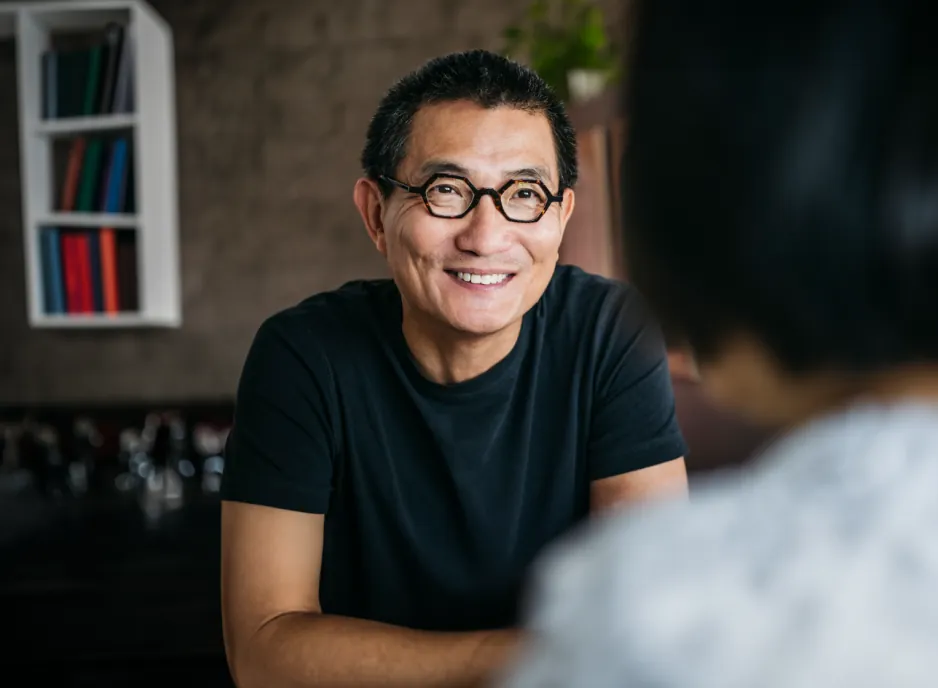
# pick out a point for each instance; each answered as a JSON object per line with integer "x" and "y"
{"x": 438, "y": 497}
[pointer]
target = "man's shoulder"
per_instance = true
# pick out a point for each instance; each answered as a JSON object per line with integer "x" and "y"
{"x": 604, "y": 316}
{"x": 573, "y": 284}
{"x": 583, "y": 299}
{"x": 333, "y": 313}
{"x": 325, "y": 329}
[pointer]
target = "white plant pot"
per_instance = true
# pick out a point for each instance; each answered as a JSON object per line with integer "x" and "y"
{"x": 586, "y": 84}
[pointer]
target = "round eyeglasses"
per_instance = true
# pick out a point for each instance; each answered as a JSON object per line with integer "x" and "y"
{"x": 452, "y": 197}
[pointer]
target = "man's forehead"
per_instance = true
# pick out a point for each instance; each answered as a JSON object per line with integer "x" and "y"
{"x": 469, "y": 140}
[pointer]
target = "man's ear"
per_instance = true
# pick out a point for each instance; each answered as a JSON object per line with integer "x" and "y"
{"x": 367, "y": 197}
{"x": 566, "y": 209}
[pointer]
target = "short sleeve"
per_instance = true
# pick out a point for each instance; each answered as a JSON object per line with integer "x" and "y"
{"x": 634, "y": 421}
{"x": 281, "y": 447}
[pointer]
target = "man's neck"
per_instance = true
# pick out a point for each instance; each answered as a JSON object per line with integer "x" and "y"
{"x": 914, "y": 383}
{"x": 448, "y": 357}
{"x": 909, "y": 383}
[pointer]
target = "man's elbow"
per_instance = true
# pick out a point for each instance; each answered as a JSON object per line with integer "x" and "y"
{"x": 255, "y": 659}
{"x": 245, "y": 662}
{"x": 238, "y": 666}
{"x": 248, "y": 654}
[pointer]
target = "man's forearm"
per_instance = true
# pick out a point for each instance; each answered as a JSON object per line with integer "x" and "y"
{"x": 308, "y": 649}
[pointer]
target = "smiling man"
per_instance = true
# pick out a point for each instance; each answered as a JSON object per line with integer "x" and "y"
{"x": 403, "y": 449}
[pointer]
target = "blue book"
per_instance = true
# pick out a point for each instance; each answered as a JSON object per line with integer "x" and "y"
{"x": 53, "y": 290}
{"x": 116, "y": 186}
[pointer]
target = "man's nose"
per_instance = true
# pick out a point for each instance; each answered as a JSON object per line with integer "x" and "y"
{"x": 487, "y": 232}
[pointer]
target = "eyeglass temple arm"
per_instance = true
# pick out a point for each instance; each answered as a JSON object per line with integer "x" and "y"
{"x": 400, "y": 185}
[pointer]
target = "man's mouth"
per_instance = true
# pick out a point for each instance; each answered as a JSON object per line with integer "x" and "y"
{"x": 482, "y": 279}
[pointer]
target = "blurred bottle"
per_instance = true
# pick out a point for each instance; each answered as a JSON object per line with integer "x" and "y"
{"x": 42, "y": 457}
{"x": 133, "y": 459}
{"x": 81, "y": 467}
{"x": 181, "y": 448}
{"x": 209, "y": 442}
{"x": 163, "y": 486}
{"x": 10, "y": 447}
{"x": 14, "y": 476}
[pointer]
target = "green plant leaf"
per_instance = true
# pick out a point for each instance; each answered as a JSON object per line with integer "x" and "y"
{"x": 556, "y": 38}
{"x": 512, "y": 33}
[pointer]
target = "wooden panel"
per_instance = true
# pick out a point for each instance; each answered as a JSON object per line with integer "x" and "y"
{"x": 593, "y": 237}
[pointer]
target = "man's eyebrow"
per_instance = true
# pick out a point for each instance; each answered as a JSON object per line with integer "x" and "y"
{"x": 536, "y": 172}
{"x": 431, "y": 167}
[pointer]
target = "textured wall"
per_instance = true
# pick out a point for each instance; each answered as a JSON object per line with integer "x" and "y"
{"x": 273, "y": 99}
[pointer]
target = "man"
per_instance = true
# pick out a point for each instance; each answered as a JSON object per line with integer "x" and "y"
{"x": 782, "y": 180}
{"x": 402, "y": 449}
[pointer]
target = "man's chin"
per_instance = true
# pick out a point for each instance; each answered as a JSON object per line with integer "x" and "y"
{"x": 482, "y": 325}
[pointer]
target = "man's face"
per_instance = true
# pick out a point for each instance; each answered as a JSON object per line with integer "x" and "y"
{"x": 430, "y": 258}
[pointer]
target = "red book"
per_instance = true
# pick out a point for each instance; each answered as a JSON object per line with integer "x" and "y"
{"x": 109, "y": 270}
{"x": 83, "y": 261}
{"x": 71, "y": 267}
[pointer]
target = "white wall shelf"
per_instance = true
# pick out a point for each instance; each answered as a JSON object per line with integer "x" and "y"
{"x": 71, "y": 126}
{"x": 145, "y": 124}
{"x": 115, "y": 220}
{"x": 97, "y": 320}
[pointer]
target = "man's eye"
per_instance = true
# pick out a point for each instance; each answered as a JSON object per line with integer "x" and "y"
{"x": 444, "y": 189}
{"x": 527, "y": 195}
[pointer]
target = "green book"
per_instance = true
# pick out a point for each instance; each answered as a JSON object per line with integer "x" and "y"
{"x": 91, "y": 84}
{"x": 90, "y": 173}
{"x": 71, "y": 82}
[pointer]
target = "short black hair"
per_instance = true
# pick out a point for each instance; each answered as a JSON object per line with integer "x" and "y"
{"x": 781, "y": 177}
{"x": 484, "y": 78}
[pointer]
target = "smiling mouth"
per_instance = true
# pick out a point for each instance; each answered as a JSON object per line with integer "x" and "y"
{"x": 479, "y": 279}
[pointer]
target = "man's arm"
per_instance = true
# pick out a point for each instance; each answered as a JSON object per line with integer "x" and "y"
{"x": 636, "y": 447}
{"x": 668, "y": 479}
{"x": 276, "y": 634}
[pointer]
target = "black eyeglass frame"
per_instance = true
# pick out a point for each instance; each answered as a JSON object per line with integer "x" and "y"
{"x": 477, "y": 194}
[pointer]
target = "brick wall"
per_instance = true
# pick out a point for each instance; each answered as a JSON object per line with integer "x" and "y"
{"x": 273, "y": 99}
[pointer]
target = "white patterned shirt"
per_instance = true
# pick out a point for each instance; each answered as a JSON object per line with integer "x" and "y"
{"x": 816, "y": 566}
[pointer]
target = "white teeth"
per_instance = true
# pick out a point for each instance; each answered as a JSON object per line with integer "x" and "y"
{"x": 481, "y": 279}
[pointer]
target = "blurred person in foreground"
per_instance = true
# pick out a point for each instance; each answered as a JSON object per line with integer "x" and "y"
{"x": 403, "y": 448}
{"x": 782, "y": 181}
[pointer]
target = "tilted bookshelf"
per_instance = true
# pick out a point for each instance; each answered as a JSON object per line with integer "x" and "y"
{"x": 97, "y": 121}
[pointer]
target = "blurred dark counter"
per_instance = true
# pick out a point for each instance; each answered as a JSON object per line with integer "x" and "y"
{"x": 96, "y": 592}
